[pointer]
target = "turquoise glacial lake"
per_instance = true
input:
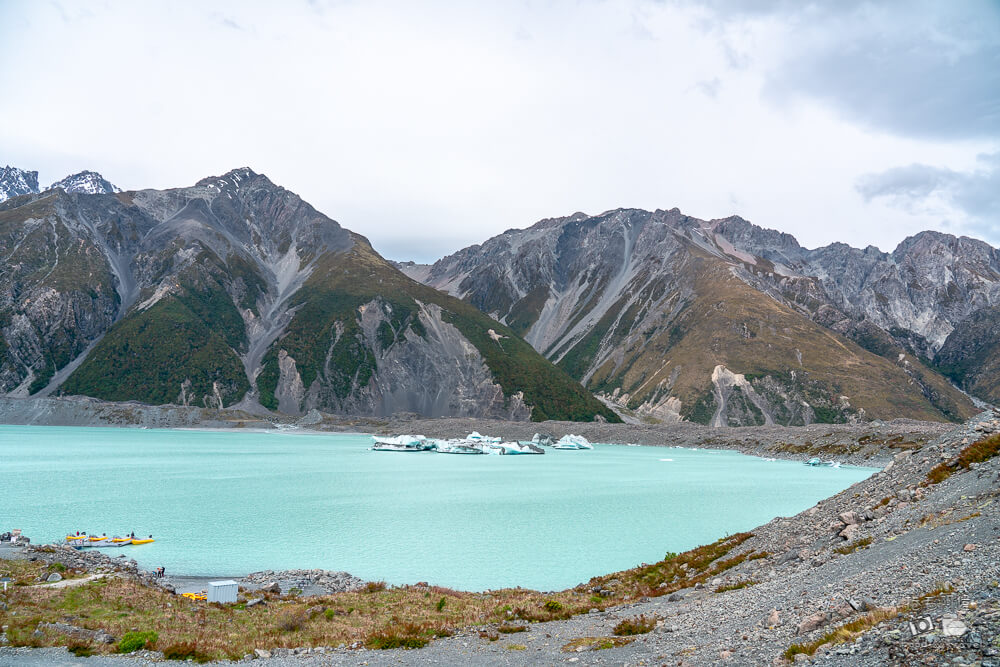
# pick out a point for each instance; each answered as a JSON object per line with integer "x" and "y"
{"x": 228, "y": 503}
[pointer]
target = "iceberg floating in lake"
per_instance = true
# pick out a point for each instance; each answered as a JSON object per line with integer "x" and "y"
{"x": 400, "y": 443}
{"x": 476, "y": 436}
{"x": 475, "y": 443}
{"x": 521, "y": 448}
{"x": 455, "y": 447}
{"x": 570, "y": 441}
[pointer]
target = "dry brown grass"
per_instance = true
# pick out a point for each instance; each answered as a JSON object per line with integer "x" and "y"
{"x": 596, "y": 643}
{"x": 854, "y": 546}
{"x": 736, "y": 586}
{"x": 978, "y": 452}
{"x": 637, "y": 625}
{"x": 942, "y": 588}
{"x": 944, "y": 518}
{"x": 376, "y": 617}
{"x": 844, "y": 633}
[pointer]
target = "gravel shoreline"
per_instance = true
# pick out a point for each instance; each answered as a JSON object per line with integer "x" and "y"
{"x": 912, "y": 540}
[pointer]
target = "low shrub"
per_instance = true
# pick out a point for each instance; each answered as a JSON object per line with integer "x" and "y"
{"x": 80, "y": 649}
{"x": 844, "y": 633}
{"x": 441, "y": 603}
{"x": 595, "y": 643}
{"x": 406, "y": 635}
{"x": 939, "y": 473}
{"x": 290, "y": 620}
{"x": 185, "y": 651}
{"x": 511, "y": 628}
{"x": 977, "y": 452}
{"x": 735, "y": 586}
{"x": 552, "y": 605}
{"x": 942, "y": 588}
{"x": 637, "y": 625}
{"x": 389, "y": 640}
{"x": 374, "y": 587}
{"x": 135, "y": 641}
{"x": 854, "y": 546}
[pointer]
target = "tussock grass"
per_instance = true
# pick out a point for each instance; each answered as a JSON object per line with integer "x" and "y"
{"x": 854, "y": 546}
{"x": 511, "y": 628}
{"x": 637, "y": 625}
{"x": 944, "y": 518}
{"x": 850, "y": 631}
{"x": 595, "y": 643}
{"x": 22, "y": 572}
{"x": 736, "y": 586}
{"x": 844, "y": 633}
{"x": 80, "y": 649}
{"x": 185, "y": 651}
{"x": 406, "y": 635}
{"x": 686, "y": 569}
{"x": 978, "y": 452}
{"x": 942, "y": 588}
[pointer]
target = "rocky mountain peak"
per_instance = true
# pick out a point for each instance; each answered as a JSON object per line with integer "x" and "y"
{"x": 86, "y": 183}
{"x": 748, "y": 237}
{"x": 236, "y": 179}
{"x": 946, "y": 246}
{"x": 15, "y": 182}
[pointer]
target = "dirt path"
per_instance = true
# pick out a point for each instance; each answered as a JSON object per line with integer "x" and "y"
{"x": 70, "y": 583}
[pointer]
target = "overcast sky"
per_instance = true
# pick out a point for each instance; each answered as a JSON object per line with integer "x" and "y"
{"x": 428, "y": 126}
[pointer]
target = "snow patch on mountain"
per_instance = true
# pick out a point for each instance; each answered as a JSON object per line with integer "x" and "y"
{"x": 15, "y": 182}
{"x": 86, "y": 183}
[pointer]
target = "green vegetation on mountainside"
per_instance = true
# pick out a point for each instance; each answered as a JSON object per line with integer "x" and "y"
{"x": 151, "y": 353}
{"x": 325, "y": 337}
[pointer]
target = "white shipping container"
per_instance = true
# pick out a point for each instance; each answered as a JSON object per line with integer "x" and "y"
{"x": 222, "y": 591}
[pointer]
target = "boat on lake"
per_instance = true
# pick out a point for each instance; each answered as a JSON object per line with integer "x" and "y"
{"x": 118, "y": 542}
{"x": 103, "y": 541}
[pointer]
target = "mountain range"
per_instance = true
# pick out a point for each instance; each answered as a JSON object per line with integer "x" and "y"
{"x": 235, "y": 291}
{"x": 666, "y": 317}
{"x": 15, "y": 182}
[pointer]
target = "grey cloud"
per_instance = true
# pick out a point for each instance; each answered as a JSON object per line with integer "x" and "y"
{"x": 974, "y": 194}
{"x": 710, "y": 88}
{"x": 922, "y": 69}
